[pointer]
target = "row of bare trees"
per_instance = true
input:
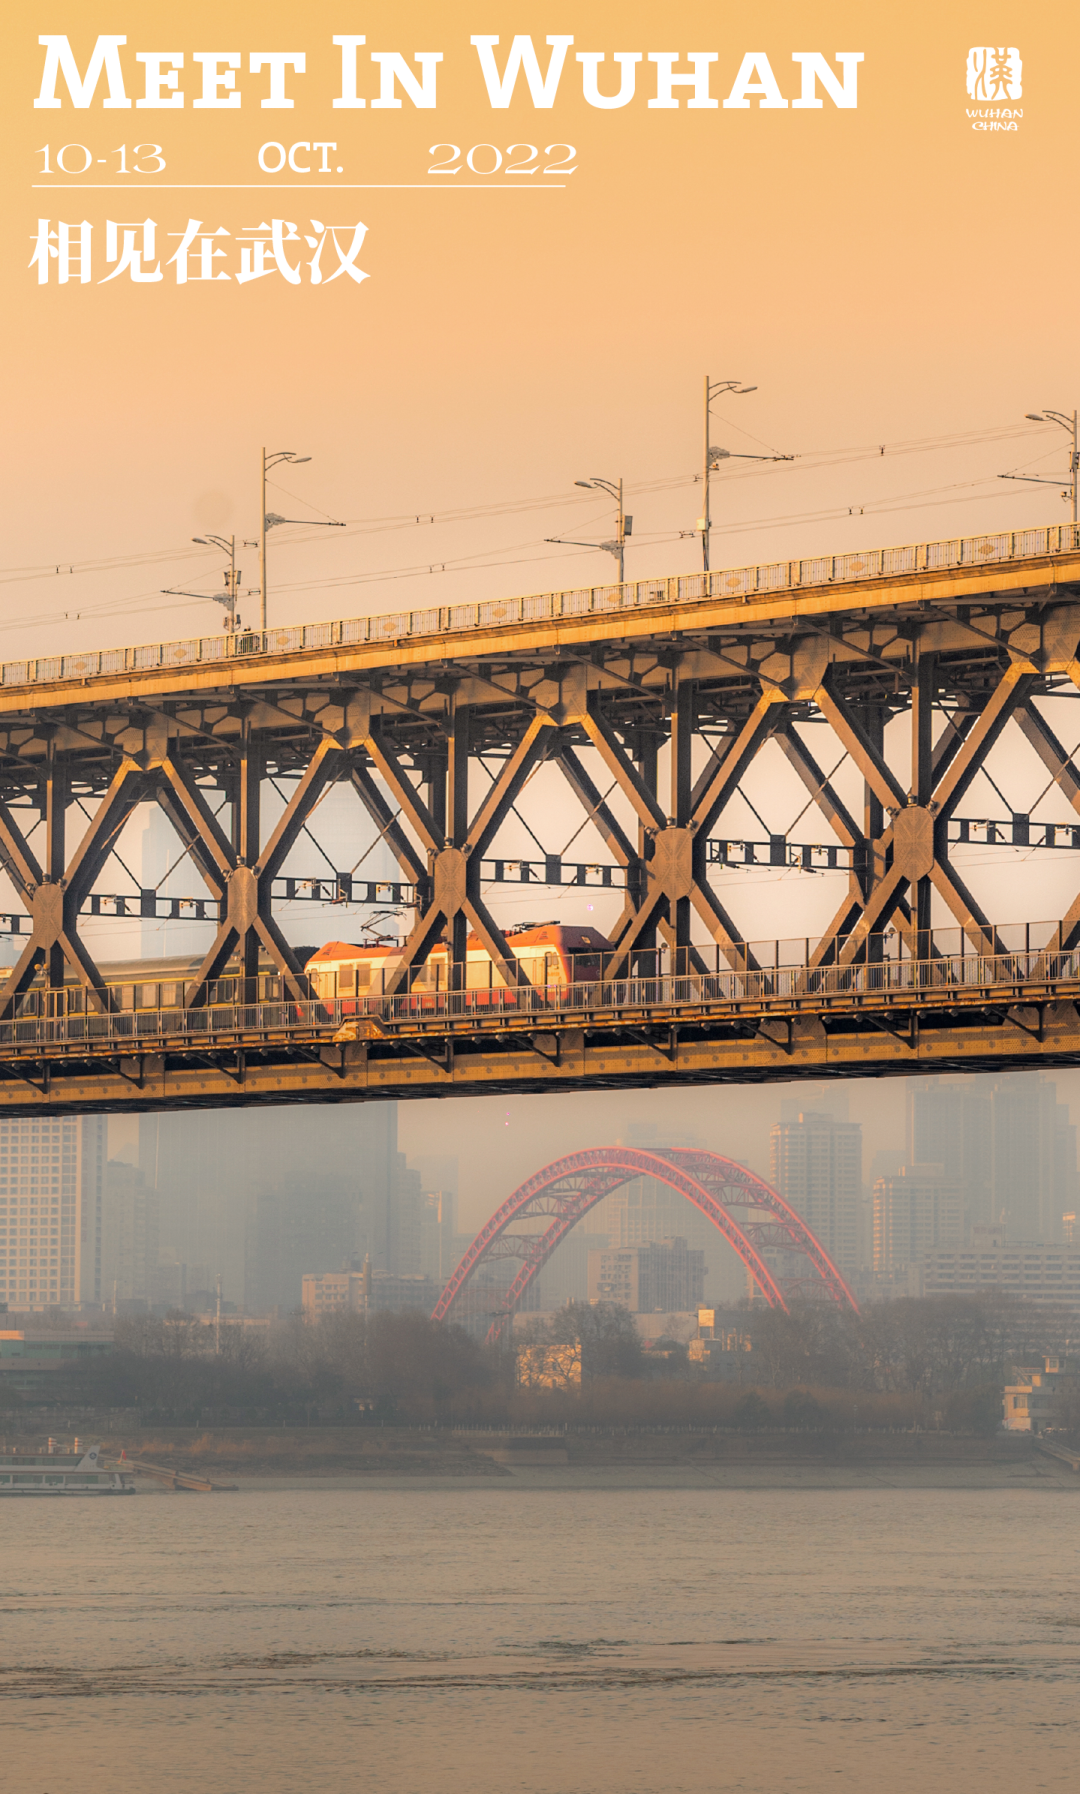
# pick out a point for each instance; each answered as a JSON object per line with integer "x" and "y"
{"x": 403, "y": 1368}
{"x": 934, "y": 1344}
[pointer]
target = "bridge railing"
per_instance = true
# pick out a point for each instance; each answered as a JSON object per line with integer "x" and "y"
{"x": 963, "y": 974}
{"x": 964, "y": 977}
{"x": 738, "y": 584}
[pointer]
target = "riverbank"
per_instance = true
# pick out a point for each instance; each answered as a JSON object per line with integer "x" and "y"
{"x": 403, "y": 1456}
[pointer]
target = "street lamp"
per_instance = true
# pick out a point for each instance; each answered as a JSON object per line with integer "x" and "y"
{"x": 267, "y": 519}
{"x": 266, "y": 522}
{"x": 624, "y": 525}
{"x": 1065, "y": 420}
{"x": 713, "y": 456}
{"x": 232, "y": 579}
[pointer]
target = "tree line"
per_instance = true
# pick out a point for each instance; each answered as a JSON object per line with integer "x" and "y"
{"x": 936, "y": 1361}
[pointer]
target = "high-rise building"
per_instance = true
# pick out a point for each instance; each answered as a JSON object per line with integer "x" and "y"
{"x": 950, "y": 1123}
{"x": 438, "y": 1210}
{"x": 915, "y": 1213}
{"x": 1035, "y": 1178}
{"x": 815, "y": 1163}
{"x": 50, "y": 1209}
{"x": 662, "y": 1276}
{"x": 129, "y": 1236}
{"x": 1009, "y": 1145}
{"x": 258, "y": 1197}
{"x": 405, "y": 1217}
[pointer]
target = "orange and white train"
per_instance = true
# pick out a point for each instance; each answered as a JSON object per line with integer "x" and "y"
{"x": 551, "y": 953}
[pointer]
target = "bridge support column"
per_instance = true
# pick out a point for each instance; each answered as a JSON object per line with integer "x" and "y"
{"x": 680, "y": 816}
{"x": 871, "y": 868}
{"x": 457, "y": 830}
{"x": 55, "y": 798}
{"x": 246, "y": 845}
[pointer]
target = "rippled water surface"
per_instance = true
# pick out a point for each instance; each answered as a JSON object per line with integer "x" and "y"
{"x": 557, "y": 1642}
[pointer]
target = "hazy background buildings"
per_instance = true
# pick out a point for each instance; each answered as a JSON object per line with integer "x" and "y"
{"x": 912, "y": 1187}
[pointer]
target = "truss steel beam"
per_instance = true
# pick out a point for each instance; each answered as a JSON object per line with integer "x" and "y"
{"x": 678, "y": 710}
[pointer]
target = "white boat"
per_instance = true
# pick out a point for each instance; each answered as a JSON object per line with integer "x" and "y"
{"x": 53, "y": 1475}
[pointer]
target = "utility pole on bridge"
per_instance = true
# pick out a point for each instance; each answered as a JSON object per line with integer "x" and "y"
{"x": 1065, "y": 420}
{"x": 714, "y": 455}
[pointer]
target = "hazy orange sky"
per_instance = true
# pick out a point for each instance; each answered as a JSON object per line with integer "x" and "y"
{"x": 883, "y": 275}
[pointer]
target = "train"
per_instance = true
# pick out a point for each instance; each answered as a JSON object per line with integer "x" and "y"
{"x": 549, "y": 953}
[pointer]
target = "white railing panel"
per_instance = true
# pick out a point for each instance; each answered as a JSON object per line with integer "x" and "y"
{"x": 943, "y": 554}
{"x": 817, "y": 572}
{"x": 424, "y": 622}
{"x": 727, "y": 583}
{"x": 733, "y": 583}
{"x": 857, "y": 566}
{"x": 976, "y": 549}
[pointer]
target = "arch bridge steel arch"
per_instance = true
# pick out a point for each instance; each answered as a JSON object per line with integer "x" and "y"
{"x": 558, "y": 1196}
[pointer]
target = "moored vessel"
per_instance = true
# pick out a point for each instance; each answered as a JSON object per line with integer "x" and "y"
{"x": 49, "y": 1474}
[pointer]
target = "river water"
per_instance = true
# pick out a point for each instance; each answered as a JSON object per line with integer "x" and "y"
{"x": 569, "y": 1641}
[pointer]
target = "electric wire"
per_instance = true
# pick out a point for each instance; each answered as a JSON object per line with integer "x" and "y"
{"x": 819, "y": 458}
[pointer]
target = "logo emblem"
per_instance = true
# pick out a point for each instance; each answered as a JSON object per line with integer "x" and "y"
{"x": 994, "y": 74}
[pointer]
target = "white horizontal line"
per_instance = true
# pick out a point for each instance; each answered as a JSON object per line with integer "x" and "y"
{"x": 284, "y": 186}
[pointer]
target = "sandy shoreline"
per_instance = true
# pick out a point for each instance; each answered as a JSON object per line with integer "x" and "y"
{"x": 1044, "y": 1476}
{"x": 413, "y": 1458}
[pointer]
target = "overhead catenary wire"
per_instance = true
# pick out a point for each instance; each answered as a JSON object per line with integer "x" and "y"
{"x": 807, "y": 459}
{"x": 141, "y": 602}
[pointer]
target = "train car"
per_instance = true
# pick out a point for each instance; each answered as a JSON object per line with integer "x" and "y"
{"x": 150, "y": 984}
{"x": 549, "y": 953}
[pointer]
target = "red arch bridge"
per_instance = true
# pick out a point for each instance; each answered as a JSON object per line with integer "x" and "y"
{"x": 751, "y": 1215}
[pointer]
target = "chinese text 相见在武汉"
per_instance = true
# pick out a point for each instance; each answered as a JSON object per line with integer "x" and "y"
{"x": 131, "y": 251}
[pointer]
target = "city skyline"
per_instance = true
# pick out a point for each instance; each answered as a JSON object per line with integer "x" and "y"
{"x": 260, "y": 1202}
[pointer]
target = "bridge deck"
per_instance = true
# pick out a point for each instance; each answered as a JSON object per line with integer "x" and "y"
{"x": 958, "y": 1012}
{"x": 875, "y": 582}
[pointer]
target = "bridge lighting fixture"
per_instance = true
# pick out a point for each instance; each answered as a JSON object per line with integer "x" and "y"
{"x": 624, "y": 525}
{"x": 269, "y": 519}
{"x": 714, "y": 455}
{"x": 232, "y": 578}
{"x": 1065, "y": 420}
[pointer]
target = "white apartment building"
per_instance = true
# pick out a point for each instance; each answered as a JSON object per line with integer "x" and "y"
{"x": 918, "y": 1212}
{"x": 815, "y": 1162}
{"x": 362, "y": 1292}
{"x": 1039, "y": 1270}
{"x": 51, "y": 1174}
{"x": 664, "y": 1276}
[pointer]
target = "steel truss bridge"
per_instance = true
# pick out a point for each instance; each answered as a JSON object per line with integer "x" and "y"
{"x": 647, "y": 705}
{"x": 748, "y": 1212}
